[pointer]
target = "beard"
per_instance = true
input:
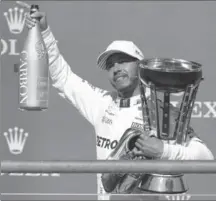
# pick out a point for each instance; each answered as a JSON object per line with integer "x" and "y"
{"x": 125, "y": 86}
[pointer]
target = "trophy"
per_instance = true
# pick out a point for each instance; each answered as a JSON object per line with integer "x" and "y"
{"x": 164, "y": 77}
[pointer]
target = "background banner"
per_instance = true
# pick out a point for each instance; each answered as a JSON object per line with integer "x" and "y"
{"x": 184, "y": 30}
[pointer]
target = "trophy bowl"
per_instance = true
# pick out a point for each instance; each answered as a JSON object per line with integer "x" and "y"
{"x": 170, "y": 74}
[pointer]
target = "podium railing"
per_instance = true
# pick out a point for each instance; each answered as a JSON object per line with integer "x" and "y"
{"x": 104, "y": 166}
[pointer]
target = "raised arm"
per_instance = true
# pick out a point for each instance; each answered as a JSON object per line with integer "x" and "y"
{"x": 77, "y": 91}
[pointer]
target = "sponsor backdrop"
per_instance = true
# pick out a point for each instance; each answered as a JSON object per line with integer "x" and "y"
{"x": 183, "y": 30}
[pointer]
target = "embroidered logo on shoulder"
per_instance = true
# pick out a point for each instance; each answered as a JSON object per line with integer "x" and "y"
{"x": 94, "y": 88}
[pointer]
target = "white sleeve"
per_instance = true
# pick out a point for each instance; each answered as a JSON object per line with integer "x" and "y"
{"x": 77, "y": 91}
{"x": 195, "y": 150}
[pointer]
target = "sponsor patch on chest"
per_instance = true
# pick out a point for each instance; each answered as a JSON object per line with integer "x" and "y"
{"x": 106, "y": 120}
{"x": 137, "y": 126}
{"x": 106, "y": 142}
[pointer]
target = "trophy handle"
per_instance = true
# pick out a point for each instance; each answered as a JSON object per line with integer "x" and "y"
{"x": 186, "y": 108}
{"x": 145, "y": 109}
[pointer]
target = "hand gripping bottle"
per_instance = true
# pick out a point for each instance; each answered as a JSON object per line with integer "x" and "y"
{"x": 34, "y": 71}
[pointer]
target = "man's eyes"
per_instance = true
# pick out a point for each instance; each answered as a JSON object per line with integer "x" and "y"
{"x": 111, "y": 64}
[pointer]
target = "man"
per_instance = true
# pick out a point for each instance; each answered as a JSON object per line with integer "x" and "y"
{"x": 112, "y": 113}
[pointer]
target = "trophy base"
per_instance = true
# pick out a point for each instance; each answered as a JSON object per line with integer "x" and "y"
{"x": 167, "y": 184}
{"x": 33, "y": 108}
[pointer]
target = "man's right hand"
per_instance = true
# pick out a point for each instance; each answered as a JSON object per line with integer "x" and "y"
{"x": 31, "y": 19}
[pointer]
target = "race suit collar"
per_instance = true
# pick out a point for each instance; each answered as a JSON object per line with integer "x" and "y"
{"x": 128, "y": 102}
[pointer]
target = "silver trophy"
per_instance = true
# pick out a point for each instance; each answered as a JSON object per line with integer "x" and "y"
{"x": 164, "y": 76}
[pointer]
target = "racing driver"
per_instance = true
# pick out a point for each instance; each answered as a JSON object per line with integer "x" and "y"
{"x": 112, "y": 113}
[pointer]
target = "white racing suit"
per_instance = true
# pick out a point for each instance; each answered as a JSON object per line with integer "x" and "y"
{"x": 106, "y": 112}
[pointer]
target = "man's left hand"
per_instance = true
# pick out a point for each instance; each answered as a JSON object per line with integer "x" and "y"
{"x": 150, "y": 147}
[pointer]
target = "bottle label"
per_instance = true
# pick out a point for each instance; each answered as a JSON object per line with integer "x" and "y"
{"x": 42, "y": 88}
{"x": 23, "y": 79}
{"x": 40, "y": 49}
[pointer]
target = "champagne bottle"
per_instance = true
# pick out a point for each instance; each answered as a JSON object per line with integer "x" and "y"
{"x": 34, "y": 71}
